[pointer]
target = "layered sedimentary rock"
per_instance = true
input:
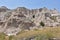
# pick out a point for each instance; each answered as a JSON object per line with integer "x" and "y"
{"x": 21, "y": 18}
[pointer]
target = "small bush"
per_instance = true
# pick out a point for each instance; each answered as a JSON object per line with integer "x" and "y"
{"x": 33, "y": 16}
{"x": 42, "y": 24}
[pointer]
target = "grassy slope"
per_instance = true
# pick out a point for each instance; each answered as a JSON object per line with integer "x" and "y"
{"x": 49, "y": 31}
{"x": 55, "y": 32}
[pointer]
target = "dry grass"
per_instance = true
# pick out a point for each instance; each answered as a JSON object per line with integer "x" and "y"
{"x": 48, "y": 31}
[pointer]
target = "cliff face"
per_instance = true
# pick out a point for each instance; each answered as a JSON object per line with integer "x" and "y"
{"x": 21, "y": 18}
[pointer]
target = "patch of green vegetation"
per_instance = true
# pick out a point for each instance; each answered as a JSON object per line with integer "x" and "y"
{"x": 42, "y": 24}
{"x": 41, "y": 37}
{"x": 53, "y": 18}
{"x": 33, "y": 16}
{"x": 44, "y": 36}
{"x": 2, "y": 36}
{"x": 40, "y": 34}
{"x": 10, "y": 37}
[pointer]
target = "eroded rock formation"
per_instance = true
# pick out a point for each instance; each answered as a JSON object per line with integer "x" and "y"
{"x": 21, "y": 18}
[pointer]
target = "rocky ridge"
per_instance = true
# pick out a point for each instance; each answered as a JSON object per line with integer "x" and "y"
{"x": 21, "y": 18}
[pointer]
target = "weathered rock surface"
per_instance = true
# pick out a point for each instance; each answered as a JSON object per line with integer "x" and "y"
{"x": 21, "y": 18}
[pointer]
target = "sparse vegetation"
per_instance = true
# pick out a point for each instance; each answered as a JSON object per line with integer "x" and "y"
{"x": 42, "y": 24}
{"x": 40, "y": 34}
{"x": 45, "y": 33}
{"x": 2, "y": 36}
{"x": 33, "y": 16}
{"x": 53, "y": 18}
{"x": 41, "y": 37}
{"x": 10, "y": 37}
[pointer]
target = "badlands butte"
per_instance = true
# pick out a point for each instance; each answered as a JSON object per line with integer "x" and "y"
{"x": 15, "y": 20}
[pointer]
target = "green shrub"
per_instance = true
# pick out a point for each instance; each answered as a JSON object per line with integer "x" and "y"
{"x": 53, "y": 18}
{"x": 42, "y": 24}
{"x": 33, "y": 16}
